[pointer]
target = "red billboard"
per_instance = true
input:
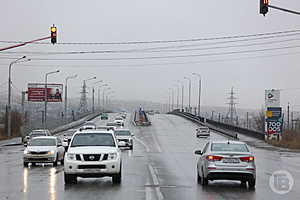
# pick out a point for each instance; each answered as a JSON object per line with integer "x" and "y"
{"x": 36, "y": 92}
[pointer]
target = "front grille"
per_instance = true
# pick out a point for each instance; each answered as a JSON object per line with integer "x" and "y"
{"x": 91, "y": 157}
{"x": 78, "y": 157}
{"x": 38, "y": 153}
{"x": 39, "y": 159}
{"x": 91, "y": 166}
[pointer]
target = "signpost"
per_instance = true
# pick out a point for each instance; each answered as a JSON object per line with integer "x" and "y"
{"x": 36, "y": 92}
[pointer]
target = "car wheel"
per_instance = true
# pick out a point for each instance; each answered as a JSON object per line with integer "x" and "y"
{"x": 116, "y": 179}
{"x": 198, "y": 178}
{"x": 251, "y": 183}
{"x": 70, "y": 178}
{"x": 204, "y": 180}
{"x": 25, "y": 164}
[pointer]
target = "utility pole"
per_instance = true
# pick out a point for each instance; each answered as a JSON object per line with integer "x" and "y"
{"x": 199, "y": 98}
{"x": 93, "y": 100}
{"x": 232, "y": 110}
{"x": 288, "y": 116}
{"x": 83, "y": 108}
{"x": 190, "y": 85}
{"x": 46, "y": 96}
{"x": 66, "y": 96}
{"x": 9, "y": 94}
{"x": 247, "y": 120}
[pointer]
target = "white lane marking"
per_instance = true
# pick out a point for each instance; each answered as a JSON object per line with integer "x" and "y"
{"x": 155, "y": 182}
{"x": 141, "y": 142}
{"x": 156, "y": 143}
{"x": 148, "y": 191}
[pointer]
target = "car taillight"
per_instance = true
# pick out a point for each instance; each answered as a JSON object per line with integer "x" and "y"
{"x": 247, "y": 159}
{"x": 214, "y": 158}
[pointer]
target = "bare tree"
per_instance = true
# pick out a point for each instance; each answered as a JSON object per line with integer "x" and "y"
{"x": 259, "y": 120}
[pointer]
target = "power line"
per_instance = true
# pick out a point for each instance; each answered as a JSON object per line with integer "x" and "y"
{"x": 150, "y": 50}
{"x": 161, "y": 57}
{"x": 166, "y": 63}
{"x": 164, "y": 41}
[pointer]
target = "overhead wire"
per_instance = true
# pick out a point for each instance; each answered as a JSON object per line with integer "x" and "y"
{"x": 164, "y": 41}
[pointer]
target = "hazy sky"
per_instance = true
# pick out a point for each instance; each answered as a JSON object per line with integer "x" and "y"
{"x": 149, "y": 20}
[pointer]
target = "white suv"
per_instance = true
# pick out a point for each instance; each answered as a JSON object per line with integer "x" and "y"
{"x": 93, "y": 153}
{"x": 125, "y": 138}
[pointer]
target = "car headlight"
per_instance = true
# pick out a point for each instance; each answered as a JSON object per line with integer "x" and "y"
{"x": 71, "y": 156}
{"x": 112, "y": 156}
{"x": 51, "y": 152}
{"x": 26, "y": 151}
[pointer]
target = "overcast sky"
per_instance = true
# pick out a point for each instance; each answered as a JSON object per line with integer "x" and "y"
{"x": 150, "y": 20}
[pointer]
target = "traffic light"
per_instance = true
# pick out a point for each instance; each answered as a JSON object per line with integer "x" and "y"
{"x": 53, "y": 30}
{"x": 264, "y": 7}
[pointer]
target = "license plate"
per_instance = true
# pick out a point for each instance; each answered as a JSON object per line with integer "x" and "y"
{"x": 230, "y": 160}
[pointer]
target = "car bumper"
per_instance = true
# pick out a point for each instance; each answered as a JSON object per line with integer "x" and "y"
{"x": 203, "y": 134}
{"x": 39, "y": 159}
{"x": 231, "y": 173}
{"x": 92, "y": 169}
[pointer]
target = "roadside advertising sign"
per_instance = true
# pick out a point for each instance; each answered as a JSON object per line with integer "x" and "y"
{"x": 272, "y": 98}
{"x": 274, "y": 120}
{"x": 36, "y": 92}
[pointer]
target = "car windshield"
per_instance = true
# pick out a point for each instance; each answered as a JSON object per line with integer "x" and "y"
{"x": 122, "y": 132}
{"x": 229, "y": 147}
{"x": 36, "y": 134}
{"x": 42, "y": 142}
{"x": 93, "y": 139}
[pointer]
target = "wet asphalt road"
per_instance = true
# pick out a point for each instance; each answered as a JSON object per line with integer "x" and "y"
{"x": 161, "y": 166}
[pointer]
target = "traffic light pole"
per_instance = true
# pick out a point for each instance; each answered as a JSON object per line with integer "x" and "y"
{"x": 24, "y": 43}
{"x": 285, "y": 10}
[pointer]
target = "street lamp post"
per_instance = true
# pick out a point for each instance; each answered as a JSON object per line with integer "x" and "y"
{"x": 93, "y": 97}
{"x": 178, "y": 89}
{"x": 107, "y": 95}
{"x": 200, "y": 85}
{"x": 9, "y": 93}
{"x": 66, "y": 95}
{"x": 99, "y": 94}
{"x": 46, "y": 96}
{"x": 190, "y": 85}
{"x": 105, "y": 89}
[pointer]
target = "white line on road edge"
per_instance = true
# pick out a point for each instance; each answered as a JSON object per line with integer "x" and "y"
{"x": 148, "y": 191}
{"x": 146, "y": 146}
{"x": 155, "y": 182}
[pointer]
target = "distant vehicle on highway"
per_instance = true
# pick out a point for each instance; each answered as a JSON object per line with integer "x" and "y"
{"x": 93, "y": 153}
{"x": 88, "y": 125}
{"x": 104, "y": 116}
{"x": 108, "y": 128}
{"x": 226, "y": 160}
{"x": 202, "y": 131}
{"x": 119, "y": 121}
{"x": 35, "y": 133}
{"x": 67, "y": 136}
{"x": 125, "y": 136}
{"x": 111, "y": 124}
{"x": 44, "y": 149}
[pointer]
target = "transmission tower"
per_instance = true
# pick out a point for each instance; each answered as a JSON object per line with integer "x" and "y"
{"x": 83, "y": 107}
{"x": 231, "y": 114}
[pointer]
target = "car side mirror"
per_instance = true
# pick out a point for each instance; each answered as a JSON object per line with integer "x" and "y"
{"x": 25, "y": 145}
{"x": 198, "y": 152}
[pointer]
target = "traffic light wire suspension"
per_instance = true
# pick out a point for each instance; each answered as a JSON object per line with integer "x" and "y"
{"x": 285, "y": 10}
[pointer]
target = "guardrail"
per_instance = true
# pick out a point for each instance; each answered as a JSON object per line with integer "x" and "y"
{"x": 226, "y": 129}
{"x": 74, "y": 124}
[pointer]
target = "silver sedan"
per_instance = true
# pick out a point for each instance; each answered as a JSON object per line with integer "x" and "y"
{"x": 226, "y": 160}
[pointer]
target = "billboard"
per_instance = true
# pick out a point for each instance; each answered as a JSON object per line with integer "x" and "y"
{"x": 272, "y": 98}
{"x": 36, "y": 92}
{"x": 274, "y": 121}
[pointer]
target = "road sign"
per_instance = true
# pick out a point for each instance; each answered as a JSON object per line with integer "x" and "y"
{"x": 272, "y": 98}
{"x": 36, "y": 92}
